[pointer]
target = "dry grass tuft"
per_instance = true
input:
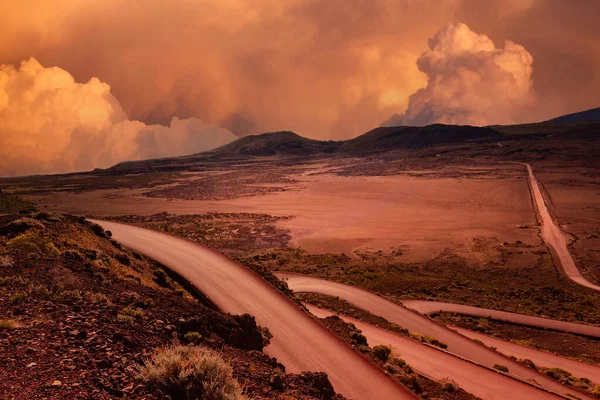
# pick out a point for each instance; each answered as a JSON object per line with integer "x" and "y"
{"x": 191, "y": 372}
{"x": 8, "y": 324}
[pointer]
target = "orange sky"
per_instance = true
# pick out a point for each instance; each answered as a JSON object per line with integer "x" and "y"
{"x": 323, "y": 68}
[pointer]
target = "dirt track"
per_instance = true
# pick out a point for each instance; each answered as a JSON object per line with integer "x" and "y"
{"x": 436, "y": 365}
{"x": 554, "y": 237}
{"x": 457, "y": 343}
{"x": 299, "y": 342}
{"x": 540, "y": 358}
{"x": 431, "y": 307}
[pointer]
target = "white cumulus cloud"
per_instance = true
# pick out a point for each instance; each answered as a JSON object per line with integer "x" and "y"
{"x": 49, "y": 123}
{"x": 469, "y": 81}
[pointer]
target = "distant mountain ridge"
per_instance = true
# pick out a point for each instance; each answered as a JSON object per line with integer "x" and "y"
{"x": 406, "y": 137}
{"x": 588, "y": 115}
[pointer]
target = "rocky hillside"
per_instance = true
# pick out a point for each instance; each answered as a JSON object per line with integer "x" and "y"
{"x": 80, "y": 315}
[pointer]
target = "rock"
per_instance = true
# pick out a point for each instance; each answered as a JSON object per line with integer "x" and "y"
{"x": 56, "y": 383}
{"x": 31, "y": 364}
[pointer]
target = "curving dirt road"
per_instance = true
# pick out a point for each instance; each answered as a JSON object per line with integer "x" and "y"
{"x": 540, "y": 358}
{"x": 554, "y": 237}
{"x": 299, "y": 342}
{"x": 414, "y": 322}
{"x": 435, "y": 364}
{"x": 431, "y": 307}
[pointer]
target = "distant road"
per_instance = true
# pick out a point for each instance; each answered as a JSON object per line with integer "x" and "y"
{"x": 436, "y": 364}
{"x": 432, "y": 307}
{"x": 554, "y": 237}
{"x": 414, "y": 322}
{"x": 539, "y": 357}
{"x": 299, "y": 342}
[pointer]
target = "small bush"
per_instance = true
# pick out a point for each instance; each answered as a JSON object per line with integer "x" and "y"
{"x": 160, "y": 277}
{"x": 193, "y": 337}
{"x": 8, "y": 324}
{"x": 69, "y": 295}
{"x": 596, "y": 391}
{"x": 32, "y": 242}
{"x": 133, "y": 312}
{"x": 528, "y": 363}
{"x": 502, "y": 368}
{"x": 382, "y": 352}
{"x": 126, "y": 319}
{"x": 448, "y": 385}
{"x": 18, "y": 297}
{"x": 401, "y": 363}
{"x": 435, "y": 342}
{"x": 148, "y": 303}
{"x": 191, "y": 372}
{"x": 97, "y": 229}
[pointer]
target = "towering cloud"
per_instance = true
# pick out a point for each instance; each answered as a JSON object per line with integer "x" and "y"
{"x": 50, "y": 123}
{"x": 469, "y": 81}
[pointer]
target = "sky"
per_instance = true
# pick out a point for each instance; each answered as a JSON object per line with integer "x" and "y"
{"x": 88, "y": 83}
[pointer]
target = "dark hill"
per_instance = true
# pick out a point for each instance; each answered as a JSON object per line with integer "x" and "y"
{"x": 589, "y": 115}
{"x": 274, "y": 143}
{"x": 397, "y": 137}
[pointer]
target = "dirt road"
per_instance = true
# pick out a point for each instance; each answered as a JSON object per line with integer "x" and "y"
{"x": 540, "y": 358}
{"x": 435, "y": 364}
{"x": 554, "y": 237}
{"x": 414, "y": 322}
{"x": 431, "y": 307}
{"x": 299, "y": 342}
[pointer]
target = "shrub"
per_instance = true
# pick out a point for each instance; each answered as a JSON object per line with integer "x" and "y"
{"x": 191, "y": 372}
{"x": 448, "y": 385}
{"x": 32, "y": 242}
{"x": 402, "y": 364}
{"x": 8, "y": 324}
{"x": 435, "y": 342}
{"x": 528, "y": 363}
{"x": 133, "y": 312}
{"x": 18, "y": 297}
{"x": 502, "y": 368}
{"x": 382, "y": 352}
{"x": 69, "y": 295}
{"x": 97, "y": 229}
{"x": 148, "y": 303}
{"x": 127, "y": 319}
{"x": 193, "y": 337}
{"x": 160, "y": 277}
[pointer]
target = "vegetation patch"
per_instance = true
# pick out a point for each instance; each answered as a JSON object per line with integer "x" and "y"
{"x": 191, "y": 372}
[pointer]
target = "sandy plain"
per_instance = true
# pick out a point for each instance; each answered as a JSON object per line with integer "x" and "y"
{"x": 423, "y": 213}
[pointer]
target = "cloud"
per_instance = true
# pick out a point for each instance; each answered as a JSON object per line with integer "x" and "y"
{"x": 328, "y": 69}
{"x": 49, "y": 123}
{"x": 469, "y": 81}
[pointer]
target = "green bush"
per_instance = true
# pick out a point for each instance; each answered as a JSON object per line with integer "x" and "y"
{"x": 191, "y": 372}
{"x": 382, "y": 352}
{"x": 502, "y": 368}
{"x": 133, "y": 312}
{"x": 127, "y": 319}
{"x": 193, "y": 337}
